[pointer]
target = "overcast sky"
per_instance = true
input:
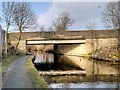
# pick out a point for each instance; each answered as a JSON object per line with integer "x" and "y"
{"x": 82, "y": 13}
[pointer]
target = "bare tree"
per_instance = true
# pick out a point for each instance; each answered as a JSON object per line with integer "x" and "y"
{"x": 42, "y": 29}
{"x": 7, "y": 9}
{"x": 112, "y": 13}
{"x": 94, "y": 43}
{"x": 62, "y": 23}
{"x": 91, "y": 26}
{"x": 112, "y": 19}
{"x": 23, "y": 17}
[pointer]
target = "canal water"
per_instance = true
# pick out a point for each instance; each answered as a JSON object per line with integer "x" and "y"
{"x": 99, "y": 74}
{"x": 103, "y": 85}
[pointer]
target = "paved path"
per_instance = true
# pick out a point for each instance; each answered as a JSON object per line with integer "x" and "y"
{"x": 16, "y": 75}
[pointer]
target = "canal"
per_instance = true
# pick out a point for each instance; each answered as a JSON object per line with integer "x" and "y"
{"x": 67, "y": 71}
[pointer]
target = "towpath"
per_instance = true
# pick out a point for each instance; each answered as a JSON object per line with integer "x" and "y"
{"x": 16, "y": 76}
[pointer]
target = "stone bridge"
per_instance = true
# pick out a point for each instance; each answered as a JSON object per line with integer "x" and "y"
{"x": 72, "y": 42}
{"x": 62, "y": 46}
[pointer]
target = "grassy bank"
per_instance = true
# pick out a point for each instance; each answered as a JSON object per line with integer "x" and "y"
{"x": 7, "y": 61}
{"x": 36, "y": 79}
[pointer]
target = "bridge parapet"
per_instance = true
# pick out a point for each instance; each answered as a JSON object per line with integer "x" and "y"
{"x": 86, "y": 34}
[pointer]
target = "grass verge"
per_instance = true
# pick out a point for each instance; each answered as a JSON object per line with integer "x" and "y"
{"x": 7, "y": 61}
{"x": 33, "y": 74}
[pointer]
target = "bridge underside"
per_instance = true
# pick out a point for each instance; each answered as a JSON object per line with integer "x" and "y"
{"x": 38, "y": 42}
{"x": 73, "y": 47}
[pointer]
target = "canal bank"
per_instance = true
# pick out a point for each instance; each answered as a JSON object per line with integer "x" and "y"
{"x": 34, "y": 76}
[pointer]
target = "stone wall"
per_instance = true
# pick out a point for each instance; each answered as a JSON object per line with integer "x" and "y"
{"x": 88, "y": 47}
{"x": 100, "y": 44}
{"x": 72, "y": 49}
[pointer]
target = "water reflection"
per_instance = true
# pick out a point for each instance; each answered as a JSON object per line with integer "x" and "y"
{"x": 81, "y": 63}
{"x": 44, "y": 61}
{"x": 96, "y": 71}
{"x": 44, "y": 58}
{"x": 49, "y": 61}
{"x": 91, "y": 66}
